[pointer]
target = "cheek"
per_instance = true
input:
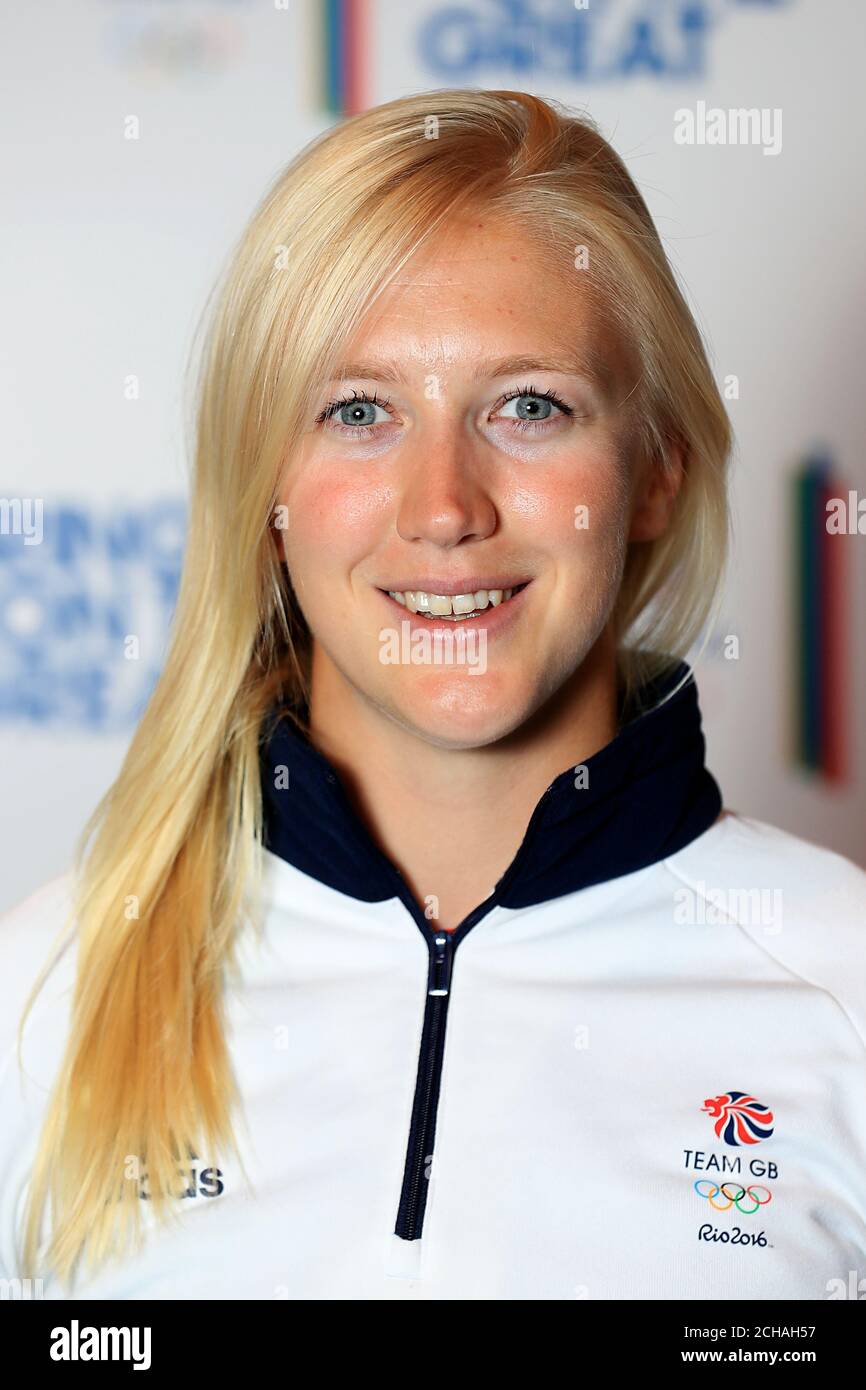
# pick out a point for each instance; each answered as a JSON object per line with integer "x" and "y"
{"x": 579, "y": 509}
{"x": 334, "y": 518}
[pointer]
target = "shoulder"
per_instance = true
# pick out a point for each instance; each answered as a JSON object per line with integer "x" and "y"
{"x": 36, "y": 934}
{"x": 802, "y": 903}
{"x": 32, "y": 937}
{"x": 741, "y": 850}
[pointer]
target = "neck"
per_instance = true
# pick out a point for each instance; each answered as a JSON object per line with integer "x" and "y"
{"x": 453, "y": 819}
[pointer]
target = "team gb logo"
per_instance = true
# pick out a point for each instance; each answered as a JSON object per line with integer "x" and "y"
{"x": 739, "y": 1118}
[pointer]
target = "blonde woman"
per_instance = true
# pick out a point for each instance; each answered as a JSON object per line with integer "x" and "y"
{"x": 412, "y": 954}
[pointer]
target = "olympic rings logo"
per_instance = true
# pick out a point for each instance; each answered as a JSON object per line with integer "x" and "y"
{"x": 735, "y": 1197}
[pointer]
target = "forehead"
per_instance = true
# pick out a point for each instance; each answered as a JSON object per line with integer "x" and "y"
{"x": 474, "y": 263}
{"x": 481, "y": 291}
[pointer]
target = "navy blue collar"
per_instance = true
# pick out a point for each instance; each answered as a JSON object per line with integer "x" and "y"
{"x": 648, "y": 794}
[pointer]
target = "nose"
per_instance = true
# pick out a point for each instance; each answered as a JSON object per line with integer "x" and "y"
{"x": 444, "y": 493}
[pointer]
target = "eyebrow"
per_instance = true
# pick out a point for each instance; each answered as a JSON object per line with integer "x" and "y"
{"x": 589, "y": 364}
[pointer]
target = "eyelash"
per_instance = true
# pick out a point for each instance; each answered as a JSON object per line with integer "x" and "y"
{"x": 365, "y": 397}
{"x": 352, "y": 430}
{"x": 552, "y": 396}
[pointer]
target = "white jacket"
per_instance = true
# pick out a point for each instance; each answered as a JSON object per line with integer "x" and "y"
{"x": 649, "y": 1085}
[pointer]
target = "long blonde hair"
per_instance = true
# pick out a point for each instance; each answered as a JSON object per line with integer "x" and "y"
{"x": 173, "y": 871}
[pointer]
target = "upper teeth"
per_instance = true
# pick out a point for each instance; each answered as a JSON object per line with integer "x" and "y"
{"x": 446, "y": 605}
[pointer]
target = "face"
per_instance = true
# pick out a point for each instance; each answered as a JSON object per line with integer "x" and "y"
{"x": 475, "y": 442}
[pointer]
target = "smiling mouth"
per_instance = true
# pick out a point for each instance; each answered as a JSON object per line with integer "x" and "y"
{"x": 453, "y": 607}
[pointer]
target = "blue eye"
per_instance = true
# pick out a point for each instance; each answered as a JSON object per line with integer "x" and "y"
{"x": 355, "y": 413}
{"x": 359, "y": 413}
{"x": 533, "y": 407}
{"x": 355, "y": 416}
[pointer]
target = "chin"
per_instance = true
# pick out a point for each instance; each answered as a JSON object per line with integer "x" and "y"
{"x": 460, "y": 711}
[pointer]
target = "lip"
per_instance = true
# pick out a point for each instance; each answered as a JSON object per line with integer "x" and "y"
{"x": 448, "y": 587}
{"x": 491, "y": 620}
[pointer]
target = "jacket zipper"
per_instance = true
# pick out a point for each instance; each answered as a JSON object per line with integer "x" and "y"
{"x": 441, "y": 949}
{"x": 413, "y": 1195}
{"x": 422, "y": 1128}
{"x": 423, "y": 1125}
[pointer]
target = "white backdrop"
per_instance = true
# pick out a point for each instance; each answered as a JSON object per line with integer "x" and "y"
{"x": 112, "y": 244}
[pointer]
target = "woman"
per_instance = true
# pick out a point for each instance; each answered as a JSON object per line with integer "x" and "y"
{"x": 414, "y": 955}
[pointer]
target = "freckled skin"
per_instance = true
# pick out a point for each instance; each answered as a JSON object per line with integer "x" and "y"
{"x": 452, "y": 487}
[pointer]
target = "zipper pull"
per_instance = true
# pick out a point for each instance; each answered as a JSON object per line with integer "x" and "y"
{"x": 440, "y": 964}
